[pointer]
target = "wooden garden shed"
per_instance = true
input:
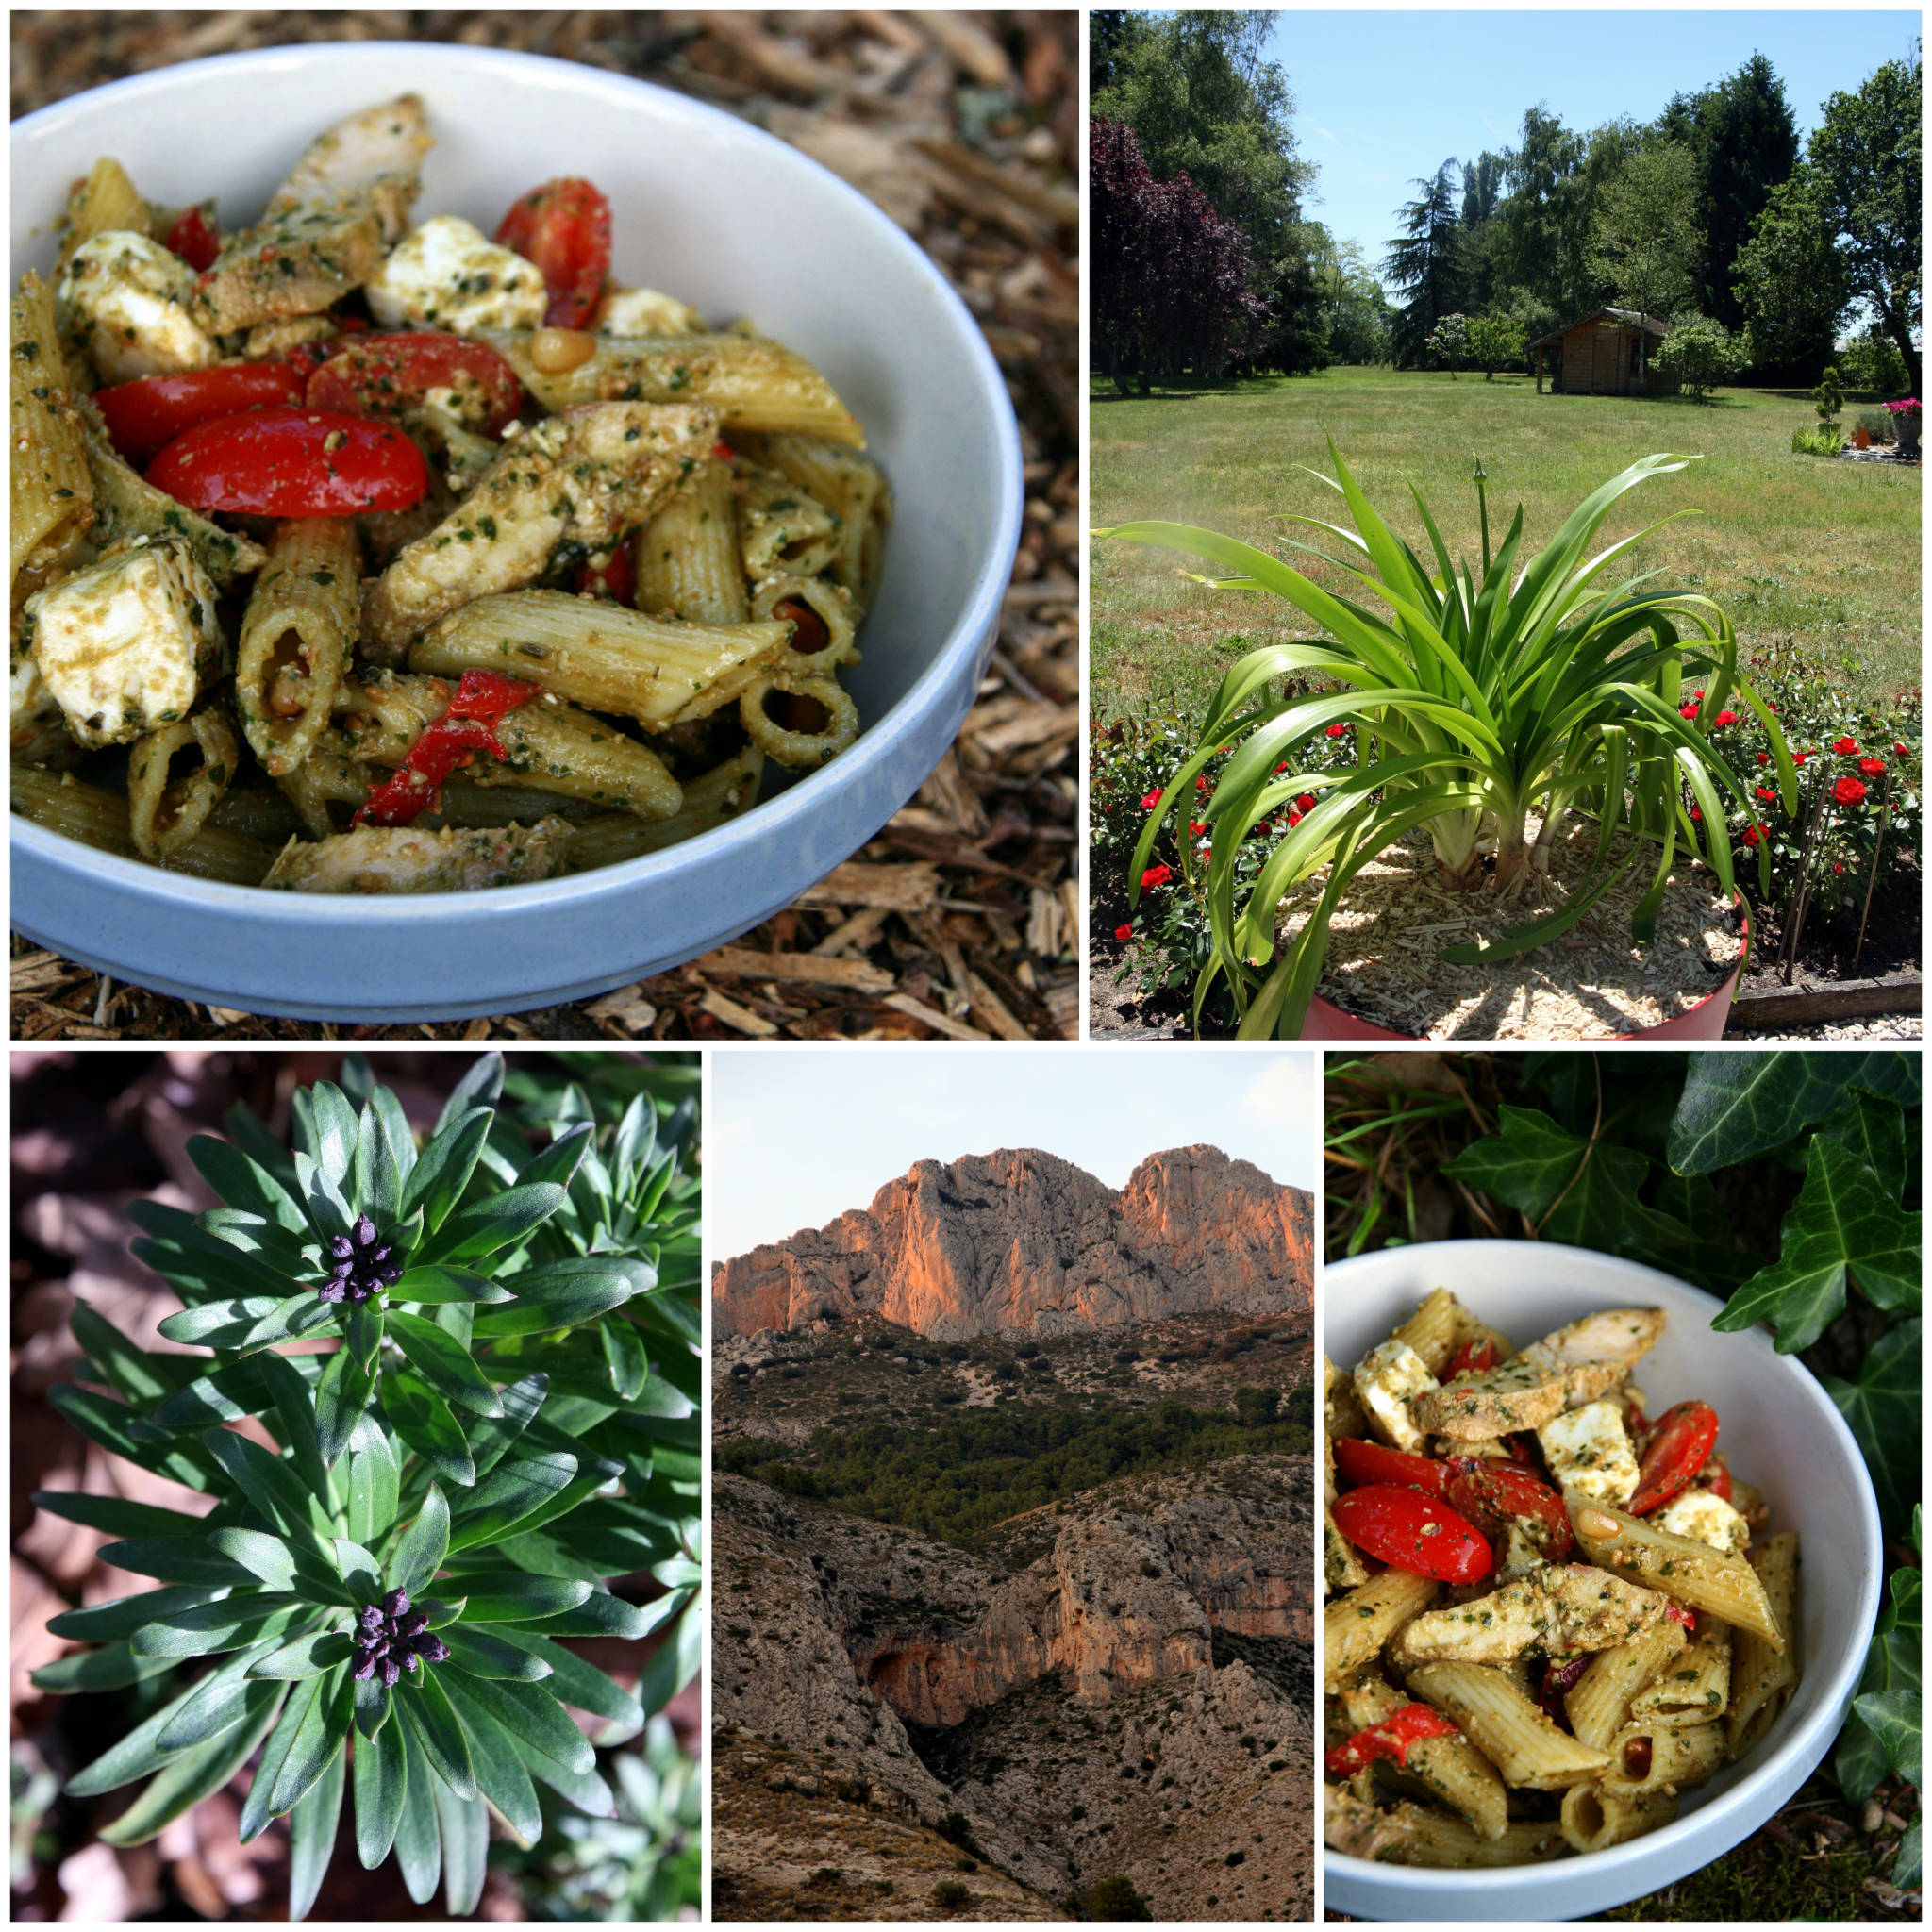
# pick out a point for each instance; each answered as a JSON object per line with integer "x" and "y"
{"x": 1612, "y": 353}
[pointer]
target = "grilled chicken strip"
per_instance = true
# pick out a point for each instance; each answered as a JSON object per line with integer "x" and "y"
{"x": 1558, "y": 1608}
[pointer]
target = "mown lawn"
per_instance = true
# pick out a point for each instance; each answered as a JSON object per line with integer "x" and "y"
{"x": 1795, "y": 547}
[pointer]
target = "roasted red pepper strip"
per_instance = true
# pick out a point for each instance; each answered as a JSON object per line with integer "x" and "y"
{"x": 281, "y": 463}
{"x": 1356, "y": 1461}
{"x": 1559, "y": 1681}
{"x": 616, "y": 580}
{"x": 195, "y": 239}
{"x": 1471, "y": 1359}
{"x": 1679, "y": 1447}
{"x": 1679, "y": 1614}
{"x": 1490, "y": 1493}
{"x": 1412, "y": 1725}
{"x": 382, "y": 374}
{"x": 468, "y": 726}
{"x": 564, "y": 228}
{"x": 145, "y": 416}
{"x": 1414, "y": 1532}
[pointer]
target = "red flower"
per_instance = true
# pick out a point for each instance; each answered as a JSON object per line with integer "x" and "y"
{"x": 1698, "y": 694}
{"x": 1763, "y": 793}
{"x": 1148, "y": 802}
{"x": 1155, "y": 875}
{"x": 1338, "y": 731}
{"x": 1124, "y": 933}
{"x": 1201, "y": 783}
{"x": 1873, "y": 768}
{"x": 1727, "y": 717}
{"x": 1902, "y": 751}
{"x": 1696, "y": 816}
{"x": 1754, "y": 835}
{"x": 1195, "y": 827}
{"x": 1306, "y": 802}
{"x": 1687, "y": 711}
{"x": 1294, "y": 817}
{"x": 1848, "y": 790}
{"x": 1281, "y": 767}
{"x": 1798, "y": 758}
{"x": 1764, "y": 757}
{"x": 1260, "y": 831}
{"x": 1838, "y": 865}
{"x": 1845, "y": 747}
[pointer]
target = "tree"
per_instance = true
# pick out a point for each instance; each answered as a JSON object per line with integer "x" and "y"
{"x": 1118, "y": 185}
{"x": 1448, "y": 343}
{"x": 1643, "y": 243}
{"x": 1496, "y": 342}
{"x": 1353, "y": 307}
{"x": 1257, "y": 1406}
{"x": 1541, "y": 228}
{"x": 1114, "y": 1901}
{"x": 1866, "y": 156}
{"x": 1293, "y": 338}
{"x": 1789, "y": 279}
{"x": 1699, "y": 354}
{"x": 1425, "y": 264}
{"x": 1482, "y": 191}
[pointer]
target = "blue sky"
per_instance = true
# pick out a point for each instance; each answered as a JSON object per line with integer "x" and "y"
{"x": 1383, "y": 98}
{"x": 793, "y": 1139}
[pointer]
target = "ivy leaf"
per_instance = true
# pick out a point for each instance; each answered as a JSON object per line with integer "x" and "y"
{"x": 1893, "y": 1663}
{"x": 1841, "y": 1222}
{"x": 1882, "y": 1410}
{"x": 1576, "y": 1190}
{"x": 423, "y": 1420}
{"x": 419, "y": 1556}
{"x": 1896, "y": 1719}
{"x": 1875, "y": 1130}
{"x": 381, "y": 1767}
{"x": 1737, "y": 1105}
{"x": 1685, "y": 1231}
{"x": 443, "y": 1363}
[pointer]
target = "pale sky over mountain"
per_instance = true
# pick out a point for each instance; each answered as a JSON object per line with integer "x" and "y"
{"x": 793, "y": 1139}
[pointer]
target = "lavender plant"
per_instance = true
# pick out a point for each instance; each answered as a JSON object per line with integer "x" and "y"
{"x": 509, "y": 1422}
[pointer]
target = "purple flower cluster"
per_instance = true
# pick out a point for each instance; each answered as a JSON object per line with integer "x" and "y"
{"x": 390, "y": 1637}
{"x": 362, "y": 1267}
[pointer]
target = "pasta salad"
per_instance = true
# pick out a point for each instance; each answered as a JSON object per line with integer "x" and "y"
{"x": 356, "y": 554}
{"x": 1549, "y": 1614}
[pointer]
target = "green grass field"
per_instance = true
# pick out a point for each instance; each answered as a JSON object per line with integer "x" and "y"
{"x": 1795, "y": 548}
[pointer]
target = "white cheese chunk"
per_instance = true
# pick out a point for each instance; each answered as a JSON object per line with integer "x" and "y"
{"x": 1588, "y": 1451}
{"x": 1387, "y": 1381}
{"x": 448, "y": 274}
{"x": 126, "y": 644}
{"x": 126, "y": 300}
{"x": 646, "y": 312}
{"x": 1704, "y": 1517}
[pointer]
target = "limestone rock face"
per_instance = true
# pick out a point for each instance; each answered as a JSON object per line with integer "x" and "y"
{"x": 1021, "y": 1239}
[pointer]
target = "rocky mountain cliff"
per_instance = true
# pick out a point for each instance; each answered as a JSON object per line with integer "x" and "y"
{"x": 1019, "y": 1240}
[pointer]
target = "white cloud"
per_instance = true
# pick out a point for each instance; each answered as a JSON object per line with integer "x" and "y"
{"x": 1326, "y": 136}
{"x": 1281, "y": 1094}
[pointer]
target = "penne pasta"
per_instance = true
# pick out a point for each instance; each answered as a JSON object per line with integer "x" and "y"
{"x": 1664, "y": 1757}
{"x": 851, "y": 485}
{"x": 720, "y": 794}
{"x": 1355, "y": 1627}
{"x": 688, "y": 563}
{"x": 1596, "y": 1817}
{"x": 819, "y": 720}
{"x": 94, "y": 817}
{"x": 1525, "y": 1746}
{"x": 824, "y": 620}
{"x": 1452, "y": 1768}
{"x": 781, "y": 528}
{"x": 164, "y": 810}
{"x": 51, "y": 507}
{"x": 1600, "y": 1702}
{"x": 1693, "y": 1573}
{"x": 1695, "y": 1683}
{"x": 1763, "y": 1674}
{"x": 107, "y": 200}
{"x": 297, "y": 639}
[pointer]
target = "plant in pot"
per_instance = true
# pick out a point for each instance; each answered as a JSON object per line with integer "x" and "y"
{"x": 1904, "y": 423}
{"x": 1474, "y": 701}
{"x": 402, "y": 1528}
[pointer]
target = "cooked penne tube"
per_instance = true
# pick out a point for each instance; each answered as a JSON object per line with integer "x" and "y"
{"x": 1664, "y": 1757}
{"x": 1763, "y": 1675}
{"x": 1436, "y": 1838}
{"x": 165, "y": 811}
{"x": 129, "y": 505}
{"x": 258, "y": 811}
{"x": 1343, "y": 1414}
{"x": 1432, "y": 1330}
{"x": 720, "y": 794}
{"x": 821, "y": 720}
{"x": 1506, "y": 1727}
{"x": 1696, "y": 1684}
{"x": 327, "y": 776}
{"x": 1452, "y": 1768}
{"x": 659, "y": 671}
{"x": 752, "y": 383}
{"x": 1599, "y": 1703}
{"x": 105, "y": 200}
{"x": 850, "y": 485}
{"x": 1596, "y": 1817}
{"x": 51, "y": 509}
{"x": 1693, "y": 1573}
{"x": 1342, "y": 1569}
{"x": 85, "y": 812}
{"x": 689, "y": 562}
{"x": 1355, "y": 1627}
{"x": 297, "y": 639}
{"x": 813, "y": 606}
{"x": 780, "y": 529}
{"x": 469, "y": 806}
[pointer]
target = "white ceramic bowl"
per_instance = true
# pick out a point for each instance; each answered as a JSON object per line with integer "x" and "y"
{"x": 733, "y": 222}
{"x": 1778, "y": 1430}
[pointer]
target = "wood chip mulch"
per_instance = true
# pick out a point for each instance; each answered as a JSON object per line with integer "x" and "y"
{"x": 960, "y": 920}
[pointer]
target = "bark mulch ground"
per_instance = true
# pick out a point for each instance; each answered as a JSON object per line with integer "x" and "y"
{"x": 960, "y": 920}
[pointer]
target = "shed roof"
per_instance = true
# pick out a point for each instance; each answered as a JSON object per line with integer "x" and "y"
{"x": 1628, "y": 317}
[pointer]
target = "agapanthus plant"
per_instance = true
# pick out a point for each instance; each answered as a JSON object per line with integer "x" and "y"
{"x": 507, "y": 1424}
{"x": 1474, "y": 701}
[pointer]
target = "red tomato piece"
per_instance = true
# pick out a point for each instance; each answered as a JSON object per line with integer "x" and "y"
{"x": 145, "y": 416}
{"x": 1472, "y": 1358}
{"x": 1414, "y": 1532}
{"x": 564, "y": 228}
{"x": 616, "y": 580}
{"x": 384, "y": 374}
{"x": 1489, "y": 1493}
{"x": 195, "y": 239}
{"x": 283, "y": 462}
{"x": 480, "y": 702}
{"x": 1370, "y": 1462}
{"x": 1717, "y": 1478}
{"x": 1392, "y": 1738}
{"x": 1679, "y": 1446}
{"x": 810, "y": 634}
{"x": 1679, "y": 1614}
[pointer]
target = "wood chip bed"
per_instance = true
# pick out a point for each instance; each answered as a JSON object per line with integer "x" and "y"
{"x": 1385, "y": 963}
{"x": 960, "y": 921}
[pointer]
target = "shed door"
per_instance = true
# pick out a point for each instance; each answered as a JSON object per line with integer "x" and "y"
{"x": 1603, "y": 374}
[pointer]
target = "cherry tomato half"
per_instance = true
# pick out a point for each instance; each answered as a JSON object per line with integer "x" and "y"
{"x": 1471, "y": 1359}
{"x": 144, "y": 417}
{"x": 381, "y": 375}
{"x": 1488, "y": 1494}
{"x": 283, "y": 462}
{"x": 1717, "y": 1478}
{"x": 1411, "y": 1531}
{"x": 564, "y": 228}
{"x": 1364, "y": 1463}
{"x": 195, "y": 239}
{"x": 1679, "y": 1446}
{"x": 617, "y": 578}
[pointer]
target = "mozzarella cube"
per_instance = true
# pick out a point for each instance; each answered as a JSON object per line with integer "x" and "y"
{"x": 1704, "y": 1517}
{"x": 646, "y": 312}
{"x": 1386, "y": 1380}
{"x": 1588, "y": 1451}
{"x": 450, "y": 275}
{"x": 126, "y": 644}
{"x": 126, "y": 302}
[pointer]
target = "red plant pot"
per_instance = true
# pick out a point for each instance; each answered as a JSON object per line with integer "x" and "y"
{"x": 1706, "y": 1020}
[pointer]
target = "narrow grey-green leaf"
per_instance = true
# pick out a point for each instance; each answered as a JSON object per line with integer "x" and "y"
{"x": 242, "y": 1181}
{"x": 342, "y": 1398}
{"x": 110, "y": 1425}
{"x": 175, "y": 1559}
{"x": 293, "y": 1422}
{"x": 423, "y": 1420}
{"x": 312, "y": 1834}
{"x": 601, "y": 1614}
{"x": 382, "y": 1767}
{"x": 560, "y": 1295}
{"x": 299, "y": 1316}
{"x": 465, "y": 1826}
{"x": 272, "y": 1486}
{"x": 438, "y": 1730}
{"x": 442, "y": 1362}
{"x": 504, "y": 1597}
{"x": 677, "y": 1659}
{"x": 113, "y": 1667}
{"x": 559, "y": 1162}
{"x": 197, "y": 1772}
{"x": 374, "y": 1706}
{"x": 320, "y": 1739}
{"x": 624, "y": 1354}
{"x": 117, "y": 1516}
{"x": 373, "y": 1482}
{"x": 433, "y": 1286}
{"x": 499, "y": 1222}
{"x": 225, "y": 1396}
{"x": 507, "y": 1494}
{"x": 528, "y": 1712}
{"x": 221, "y": 1692}
{"x": 490, "y": 1437}
{"x": 500, "y": 1774}
{"x": 329, "y": 1207}
{"x": 395, "y": 1124}
{"x": 122, "y": 1616}
{"x": 419, "y": 1838}
{"x": 574, "y": 1681}
{"x": 378, "y": 1185}
{"x": 211, "y": 1628}
{"x": 360, "y": 1569}
{"x": 481, "y": 1086}
{"x": 419, "y": 1556}
{"x": 221, "y": 1325}
{"x": 484, "y": 1654}
{"x": 443, "y": 1169}
{"x": 334, "y": 1130}
{"x": 584, "y": 1788}
{"x": 308, "y": 1656}
{"x": 305, "y": 1699}
{"x": 262, "y": 1556}
{"x": 134, "y": 1375}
